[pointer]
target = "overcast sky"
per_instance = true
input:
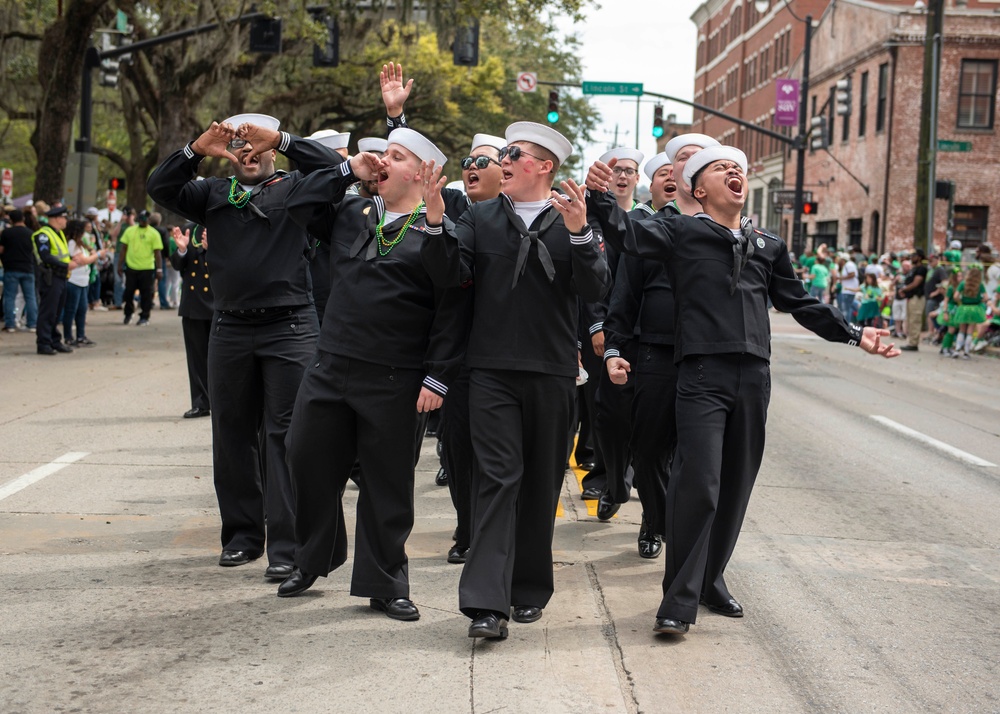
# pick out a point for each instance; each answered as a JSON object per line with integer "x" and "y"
{"x": 647, "y": 41}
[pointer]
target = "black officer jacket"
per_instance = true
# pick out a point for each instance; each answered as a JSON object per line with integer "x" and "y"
{"x": 699, "y": 259}
{"x": 382, "y": 309}
{"x": 531, "y": 326}
{"x": 256, "y": 261}
{"x": 642, "y": 301}
{"x": 196, "y": 286}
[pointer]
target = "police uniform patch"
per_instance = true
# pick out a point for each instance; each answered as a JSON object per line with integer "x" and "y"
{"x": 760, "y": 242}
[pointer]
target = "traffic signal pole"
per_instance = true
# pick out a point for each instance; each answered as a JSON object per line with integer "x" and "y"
{"x": 798, "y": 240}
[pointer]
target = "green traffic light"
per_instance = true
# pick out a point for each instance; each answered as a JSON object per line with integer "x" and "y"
{"x": 657, "y": 131}
{"x": 553, "y": 117}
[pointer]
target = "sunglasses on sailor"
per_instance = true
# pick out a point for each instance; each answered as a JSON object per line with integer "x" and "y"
{"x": 514, "y": 153}
{"x": 237, "y": 143}
{"x": 481, "y": 162}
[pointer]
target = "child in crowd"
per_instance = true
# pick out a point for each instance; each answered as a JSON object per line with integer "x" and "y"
{"x": 871, "y": 298}
{"x": 944, "y": 317}
{"x": 970, "y": 311}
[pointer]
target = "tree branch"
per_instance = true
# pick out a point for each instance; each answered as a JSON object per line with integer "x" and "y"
{"x": 18, "y": 35}
{"x": 113, "y": 156}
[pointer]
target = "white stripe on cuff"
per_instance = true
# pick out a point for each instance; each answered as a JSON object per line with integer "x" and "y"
{"x": 596, "y": 327}
{"x": 582, "y": 239}
{"x": 612, "y": 352}
{"x": 345, "y": 168}
{"x": 435, "y": 386}
{"x": 188, "y": 151}
{"x": 286, "y": 139}
{"x": 433, "y": 230}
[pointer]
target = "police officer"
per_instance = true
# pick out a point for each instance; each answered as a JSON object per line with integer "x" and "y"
{"x": 722, "y": 272}
{"x": 264, "y": 327}
{"x": 53, "y": 254}
{"x": 196, "y": 309}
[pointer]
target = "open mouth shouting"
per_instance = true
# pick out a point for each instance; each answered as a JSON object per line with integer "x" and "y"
{"x": 383, "y": 176}
{"x": 249, "y": 161}
{"x": 734, "y": 182}
{"x": 472, "y": 179}
{"x": 508, "y": 174}
{"x": 670, "y": 187}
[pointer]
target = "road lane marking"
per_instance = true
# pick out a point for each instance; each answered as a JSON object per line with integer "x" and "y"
{"x": 931, "y": 441}
{"x": 36, "y": 475}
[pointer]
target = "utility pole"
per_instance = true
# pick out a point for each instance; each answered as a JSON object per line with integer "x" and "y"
{"x": 798, "y": 239}
{"x": 923, "y": 221}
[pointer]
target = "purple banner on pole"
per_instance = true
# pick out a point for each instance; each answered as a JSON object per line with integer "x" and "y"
{"x": 786, "y": 103}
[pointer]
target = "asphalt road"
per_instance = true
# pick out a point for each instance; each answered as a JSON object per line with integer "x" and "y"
{"x": 868, "y": 566}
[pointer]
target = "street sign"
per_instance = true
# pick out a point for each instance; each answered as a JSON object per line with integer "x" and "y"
{"x": 786, "y": 102}
{"x": 945, "y": 145}
{"x": 626, "y": 88}
{"x": 527, "y": 82}
{"x": 786, "y": 197}
{"x": 7, "y": 185}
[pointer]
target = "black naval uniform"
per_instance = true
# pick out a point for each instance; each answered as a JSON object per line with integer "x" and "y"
{"x": 196, "y": 310}
{"x": 641, "y": 314}
{"x": 721, "y": 285}
{"x": 523, "y": 364}
{"x": 264, "y": 333}
{"x": 388, "y": 332}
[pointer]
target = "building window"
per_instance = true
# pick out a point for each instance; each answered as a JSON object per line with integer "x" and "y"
{"x": 826, "y": 232}
{"x": 976, "y": 89}
{"x": 854, "y": 227}
{"x": 970, "y": 224}
{"x": 863, "y": 105}
{"x": 738, "y": 21}
{"x": 883, "y": 96}
{"x": 845, "y": 126}
{"x": 875, "y": 237}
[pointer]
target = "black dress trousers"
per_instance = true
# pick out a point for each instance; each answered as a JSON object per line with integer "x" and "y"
{"x": 256, "y": 359}
{"x": 613, "y": 428}
{"x": 456, "y": 455}
{"x": 51, "y": 304}
{"x": 519, "y": 423}
{"x": 196, "y": 334}
{"x": 347, "y": 409}
{"x": 721, "y": 414}
{"x": 654, "y": 429}
{"x": 586, "y": 402}
{"x": 141, "y": 280}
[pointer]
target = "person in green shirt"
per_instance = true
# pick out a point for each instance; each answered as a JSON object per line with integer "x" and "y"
{"x": 819, "y": 279}
{"x": 142, "y": 264}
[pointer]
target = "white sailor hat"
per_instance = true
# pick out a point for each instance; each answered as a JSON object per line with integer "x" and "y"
{"x": 264, "y": 120}
{"x": 497, "y": 142}
{"x": 622, "y": 153}
{"x": 373, "y": 144}
{"x": 679, "y": 142}
{"x": 418, "y": 144}
{"x": 655, "y": 164}
{"x": 710, "y": 155}
{"x": 955, "y": 245}
{"x": 544, "y": 136}
{"x": 331, "y": 138}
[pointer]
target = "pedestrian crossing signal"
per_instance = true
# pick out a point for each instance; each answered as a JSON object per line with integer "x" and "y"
{"x": 658, "y": 121}
{"x": 553, "y": 115}
{"x": 810, "y": 208}
{"x": 116, "y": 184}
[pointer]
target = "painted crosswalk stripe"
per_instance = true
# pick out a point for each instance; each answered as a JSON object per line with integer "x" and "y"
{"x": 36, "y": 475}
{"x": 931, "y": 441}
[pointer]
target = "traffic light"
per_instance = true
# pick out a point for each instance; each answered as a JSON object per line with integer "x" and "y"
{"x": 265, "y": 35}
{"x": 328, "y": 53}
{"x": 817, "y": 133}
{"x": 843, "y": 96}
{"x": 658, "y": 121}
{"x": 116, "y": 183}
{"x": 465, "y": 50}
{"x": 553, "y": 115}
{"x": 107, "y": 75}
{"x": 810, "y": 208}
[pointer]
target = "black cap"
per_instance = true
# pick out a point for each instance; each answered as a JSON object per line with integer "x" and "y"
{"x": 57, "y": 210}
{"x": 143, "y": 217}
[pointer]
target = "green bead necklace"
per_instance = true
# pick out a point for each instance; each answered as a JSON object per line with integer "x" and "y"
{"x": 238, "y": 199}
{"x": 384, "y": 246}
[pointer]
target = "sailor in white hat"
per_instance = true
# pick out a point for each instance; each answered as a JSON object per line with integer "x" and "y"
{"x": 266, "y": 329}
{"x": 396, "y": 339}
{"x": 533, "y": 256}
{"x": 722, "y": 272}
{"x": 332, "y": 139}
{"x": 625, "y": 174}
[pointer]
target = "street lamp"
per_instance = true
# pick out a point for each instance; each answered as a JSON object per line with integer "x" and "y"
{"x": 798, "y": 240}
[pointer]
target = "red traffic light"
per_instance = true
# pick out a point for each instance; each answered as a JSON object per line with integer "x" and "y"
{"x": 116, "y": 184}
{"x": 810, "y": 208}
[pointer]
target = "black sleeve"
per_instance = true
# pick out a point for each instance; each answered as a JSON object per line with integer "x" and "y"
{"x": 447, "y": 251}
{"x": 591, "y": 275}
{"x": 308, "y": 155}
{"x": 593, "y": 315}
{"x": 315, "y": 199}
{"x": 172, "y": 185}
{"x": 789, "y": 295}
{"x": 392, "y": 123}
{"x": 44, "y": 247}
{"x": 448, "y": 338}
{"x": 623, "y": 310}
{"x": 455, "y": 203}
{"x": 651, "y": 238}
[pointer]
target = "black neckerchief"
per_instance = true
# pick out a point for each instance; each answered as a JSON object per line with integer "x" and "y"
{"x": 527, "y": 238}
{"x": 273, "y": 178}
{"x": 743, "y": 248}
{"x": 368, "y": 232}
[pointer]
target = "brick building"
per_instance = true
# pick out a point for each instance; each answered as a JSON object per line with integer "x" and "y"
{"x": 879, "y": 45}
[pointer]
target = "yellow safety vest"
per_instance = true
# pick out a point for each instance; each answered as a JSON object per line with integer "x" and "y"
{"x": 60, "y": 247}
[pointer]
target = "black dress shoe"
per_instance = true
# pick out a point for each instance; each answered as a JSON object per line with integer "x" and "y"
{"x": 60, "y": 347}
{"x": 606, "y": 508}
{"x": 666, "y": 626}
{"x": 457, "y": 554}
{"x": 489, "y": 625}
{"x": 650, "y": 544}
{"x": 298, "y": 582}
{"x": 591, "y": 494}
{"x": 587, "y": 466}
{"x": 526, "y": 613}
{"x": 442, "y": 477}
{"x": 46, "y": 350}
{"x": 195, "y": 412}
{"x": 230, "y": 558}
{"x": 278, "y": 571}
{"x": 731, "y": 608}
{"x": 910, "y": 348}
{"x": 398, "y": 608}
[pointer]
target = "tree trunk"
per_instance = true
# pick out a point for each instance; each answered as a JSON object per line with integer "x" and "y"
{"x": 60, "y": 60}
